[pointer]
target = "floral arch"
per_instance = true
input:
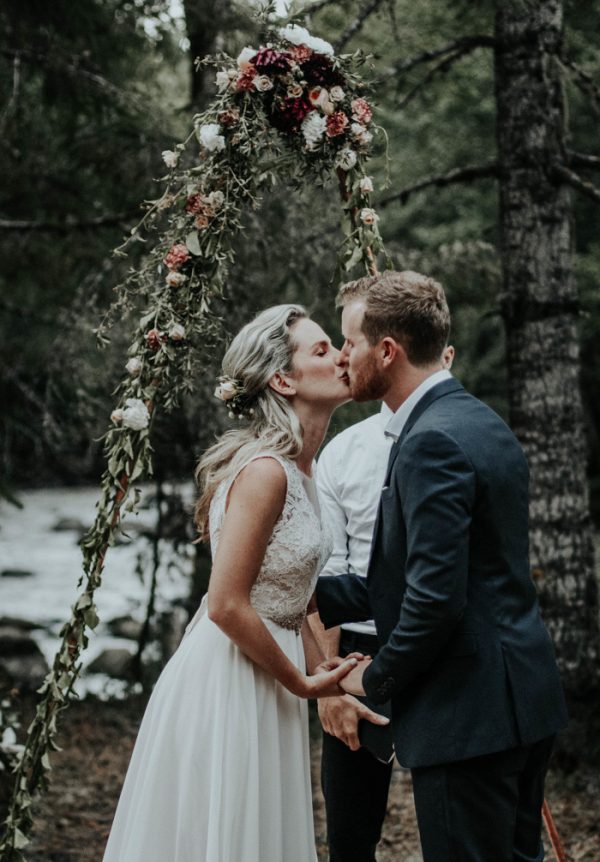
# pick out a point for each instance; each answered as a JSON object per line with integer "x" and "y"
{"x": 291, "y": 109}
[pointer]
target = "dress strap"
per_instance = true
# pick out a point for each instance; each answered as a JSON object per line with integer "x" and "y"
{"x": 219, "y": 500}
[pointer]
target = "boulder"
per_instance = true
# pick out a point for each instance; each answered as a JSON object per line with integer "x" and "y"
{"x": 16, "y": 573}
{"x": 69, "y": 525}
{"x": 115, "y": 662}
{"x": 125, "y": 627}
{"x": 19, "y": 623}
{"x": 21, "y": 660}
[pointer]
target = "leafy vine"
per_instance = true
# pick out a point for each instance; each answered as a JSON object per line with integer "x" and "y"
{"x": 289, "y": 109}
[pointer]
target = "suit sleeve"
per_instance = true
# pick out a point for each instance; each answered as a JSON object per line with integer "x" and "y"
{"x": 342, "y": 599}
{"x": 434, "y": 484}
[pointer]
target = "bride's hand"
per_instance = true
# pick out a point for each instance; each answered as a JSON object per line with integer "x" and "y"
{"x": 325, "y": 683}
{"x": 336, "y": 661}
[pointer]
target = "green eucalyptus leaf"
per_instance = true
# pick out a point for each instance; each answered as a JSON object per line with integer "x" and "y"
{"x": 192, "y": 241}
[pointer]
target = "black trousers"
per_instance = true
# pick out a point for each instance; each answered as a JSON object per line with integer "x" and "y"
{"x": 355, "y": 785}
{"x": 486, "y": 809}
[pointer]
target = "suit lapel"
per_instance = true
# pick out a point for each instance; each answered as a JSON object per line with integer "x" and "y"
{"x": 437, "y": 391}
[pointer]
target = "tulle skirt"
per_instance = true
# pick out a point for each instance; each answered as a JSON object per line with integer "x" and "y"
{"x": 220, "y": 771}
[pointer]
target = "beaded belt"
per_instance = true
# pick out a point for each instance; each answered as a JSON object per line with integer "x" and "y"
{"x": 291, "y": 622}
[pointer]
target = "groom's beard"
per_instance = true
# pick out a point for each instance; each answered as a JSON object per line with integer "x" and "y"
{"x": 368, "y": 382}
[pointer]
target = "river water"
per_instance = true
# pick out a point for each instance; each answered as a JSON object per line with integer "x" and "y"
{"x": 29, "y": 542}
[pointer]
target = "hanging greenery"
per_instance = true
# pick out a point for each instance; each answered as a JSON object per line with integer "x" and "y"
{"x": 289, "y": 110}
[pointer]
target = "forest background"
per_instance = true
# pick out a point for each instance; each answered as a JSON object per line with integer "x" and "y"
{"x": 92, "y": 93}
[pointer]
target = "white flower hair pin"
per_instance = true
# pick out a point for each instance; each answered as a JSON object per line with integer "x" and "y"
{"x": 232, "y": 392}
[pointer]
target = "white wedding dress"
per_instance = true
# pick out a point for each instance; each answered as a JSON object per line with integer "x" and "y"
{"x": 220, "y": 771}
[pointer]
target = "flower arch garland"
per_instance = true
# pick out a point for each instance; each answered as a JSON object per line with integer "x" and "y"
{"x": 289, "y": 108}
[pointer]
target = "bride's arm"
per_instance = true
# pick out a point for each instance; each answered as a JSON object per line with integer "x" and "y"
{"x": 255, "y": 502}
{"x": 312, "y": 650}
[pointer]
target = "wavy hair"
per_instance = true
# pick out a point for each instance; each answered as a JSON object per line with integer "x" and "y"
{"x": 263, "y": 347}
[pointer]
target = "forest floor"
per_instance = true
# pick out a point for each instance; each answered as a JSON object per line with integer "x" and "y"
{"x": 73, "y": 819}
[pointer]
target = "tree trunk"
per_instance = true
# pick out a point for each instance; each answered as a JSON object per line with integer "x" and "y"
{"x": 203, "y": 23}
{"x": 540, "y": 310}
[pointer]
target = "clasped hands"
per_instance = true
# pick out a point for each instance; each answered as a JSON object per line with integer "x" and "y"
{"x": 351, "y": 682}
{"x": 340, "y": 716}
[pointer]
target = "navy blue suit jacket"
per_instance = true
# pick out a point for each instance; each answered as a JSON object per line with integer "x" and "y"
{"x": 465, "y": 657}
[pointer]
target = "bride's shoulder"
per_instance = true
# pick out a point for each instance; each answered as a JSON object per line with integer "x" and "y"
{"x": 264, "y": 475}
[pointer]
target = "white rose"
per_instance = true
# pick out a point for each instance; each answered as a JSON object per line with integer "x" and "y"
{"x": 296, "y": 35}
{"x": 116, "y": 416}
{"x": 368, "y": 216}
{"x": 313, "y": 128}
{"x": 134, "y": 366}
{"x": 170, "y": 158}
{"x": 216, "y": 199}
{"x": 366, "y": 185}
{"x": 175, "y": 279}
{"x": 135, "y": 414}
{"x": 210, "y": 138}
{"x": 225, "y": 391}
{"x": 336, "y": 94}
{"x": 244, "y": 57}
{"x": 361, "y": 134}
{"x": 346, "y": 159}
{"x": 177, "y": 332}
{"x": 223, "y": 79}
{"x": 262, "y": 83}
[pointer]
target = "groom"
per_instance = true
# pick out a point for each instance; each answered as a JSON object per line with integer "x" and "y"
{"x": 465, "y": 658}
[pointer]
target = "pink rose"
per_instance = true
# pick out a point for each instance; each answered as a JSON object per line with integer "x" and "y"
{"x": 361, "y": 111}
{"x": 177, "y": 256}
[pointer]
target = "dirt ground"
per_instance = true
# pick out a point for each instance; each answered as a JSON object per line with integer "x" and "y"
{"x": 74, "y": 817}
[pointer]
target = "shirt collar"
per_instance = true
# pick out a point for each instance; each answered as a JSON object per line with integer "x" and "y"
{"x": 398, "y": 419}
{"x": 385, "y": 414}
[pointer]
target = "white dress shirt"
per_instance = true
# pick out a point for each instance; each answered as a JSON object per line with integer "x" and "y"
{"x": 350, "y": 475}
{"x": 399, "y": 419}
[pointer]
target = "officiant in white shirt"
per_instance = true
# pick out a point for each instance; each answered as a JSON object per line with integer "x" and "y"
{"x": 355, "y": 781}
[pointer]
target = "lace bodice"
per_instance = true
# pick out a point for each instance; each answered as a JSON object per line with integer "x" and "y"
{"x": 297, "y": 550}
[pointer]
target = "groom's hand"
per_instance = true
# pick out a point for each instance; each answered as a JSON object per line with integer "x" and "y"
{"x": 340, "y": 716}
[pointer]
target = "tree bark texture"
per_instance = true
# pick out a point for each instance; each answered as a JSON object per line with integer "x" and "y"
{"x": 203, "y": 24}
{"x": 540, "y": 311}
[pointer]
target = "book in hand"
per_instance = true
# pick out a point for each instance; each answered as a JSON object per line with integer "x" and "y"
{"x": 376, "y": 738}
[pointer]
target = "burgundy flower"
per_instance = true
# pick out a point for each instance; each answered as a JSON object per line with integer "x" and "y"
{"x": 318, "y": 70}
{"x": 154, "y": 338}
{"x": 336, "y": 124}
{"x": 229, "y": 117}
{"x": 287, "y": 115}
{"x": 194, "y": 204}
{"x": 270, "y": 62}
{"x": 245, "y": 80}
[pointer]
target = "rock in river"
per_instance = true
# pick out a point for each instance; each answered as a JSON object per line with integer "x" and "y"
{"x": 21, "y": 660}
{"x": 116, "y": 663}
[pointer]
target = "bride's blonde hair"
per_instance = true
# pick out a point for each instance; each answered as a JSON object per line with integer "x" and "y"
{"x": 261, "y": 349}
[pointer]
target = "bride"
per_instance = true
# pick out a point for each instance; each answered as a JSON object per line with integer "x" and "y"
{"x": 220, "y": 770}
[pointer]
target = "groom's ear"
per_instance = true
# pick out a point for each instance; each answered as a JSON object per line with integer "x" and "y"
{"x": 389, "y": 351}
{"x": 282, "y": 384}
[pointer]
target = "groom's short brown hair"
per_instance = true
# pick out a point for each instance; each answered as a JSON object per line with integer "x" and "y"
{"x": 408, "y": 306}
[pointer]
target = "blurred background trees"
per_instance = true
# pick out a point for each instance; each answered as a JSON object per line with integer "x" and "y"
{"x": 90, "y": 93}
